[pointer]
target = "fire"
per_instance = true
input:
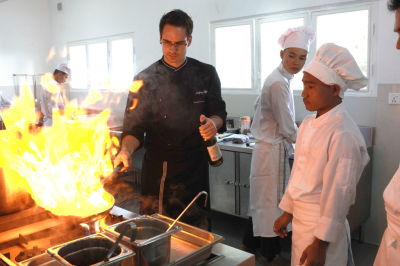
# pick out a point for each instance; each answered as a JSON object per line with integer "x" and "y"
{"x": 62, "y": 164}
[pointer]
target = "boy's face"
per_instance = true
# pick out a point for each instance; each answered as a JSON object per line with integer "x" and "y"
{"x": 293, "y": 59}
{"x": 61, "y": 78}
{"x": 317, "y": 96}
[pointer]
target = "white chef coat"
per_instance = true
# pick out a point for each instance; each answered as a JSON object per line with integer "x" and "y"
{"x": 4, "y": 103}
{"x": 274, "y": 129}
{"x": 389, "y": 250}
{"x": 51, "y": 101}
{"x": 274, "y": 119}
{"x": 329, "y": 159}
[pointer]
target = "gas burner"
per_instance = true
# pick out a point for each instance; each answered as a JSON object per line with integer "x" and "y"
{"x": 29, "y": 253}
{"x": 113, "y": 219}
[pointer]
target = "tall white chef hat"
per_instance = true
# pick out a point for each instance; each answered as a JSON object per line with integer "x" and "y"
{"x": 298, "y": 37}
{"x": 64, "y": 67}
{"x": 335, "y": 65}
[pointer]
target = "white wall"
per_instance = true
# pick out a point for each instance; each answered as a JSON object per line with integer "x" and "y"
{"x": 24, "y": 40}
{"x": 29, "y": 28}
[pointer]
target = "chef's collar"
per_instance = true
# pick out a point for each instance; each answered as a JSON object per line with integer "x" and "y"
{"x": 331, "y": 114}
{"x": 172, "y": 67}
{"x": 285, "y": 73}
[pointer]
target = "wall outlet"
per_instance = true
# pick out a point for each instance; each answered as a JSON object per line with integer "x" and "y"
{"x": 394, "y": 98}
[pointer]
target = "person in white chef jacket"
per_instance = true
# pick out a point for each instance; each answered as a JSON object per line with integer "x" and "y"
{"x": 389, "y": 250}
{"x": 4, "y": 103}
{"x": 274, "y": 129}
{"x": 328, "y": 162}
{"x": 51, "y": 97}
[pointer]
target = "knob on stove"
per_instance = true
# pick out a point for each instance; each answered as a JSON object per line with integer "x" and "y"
{"x": 29, "y": 253}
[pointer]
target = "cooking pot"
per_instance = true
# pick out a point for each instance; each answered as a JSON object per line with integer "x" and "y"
{"x": 14, "y": 195}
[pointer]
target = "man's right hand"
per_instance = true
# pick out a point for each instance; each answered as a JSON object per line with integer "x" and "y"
{"x": 280, "y": 225}
{"x": 123, "y": 157}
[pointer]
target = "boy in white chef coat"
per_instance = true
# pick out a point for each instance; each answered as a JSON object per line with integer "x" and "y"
{"x": 274, "y": 129}
{"x": 389, "y": 251}
{"x": 329, "y": 159}
{"x": 51, "y": 97}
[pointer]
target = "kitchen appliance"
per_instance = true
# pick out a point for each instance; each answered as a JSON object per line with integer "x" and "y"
{"x": 25, "y": 236}
{"x": 29, "y": 233}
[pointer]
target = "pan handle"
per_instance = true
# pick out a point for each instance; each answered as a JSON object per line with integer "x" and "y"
{"x": 133, "y": 228}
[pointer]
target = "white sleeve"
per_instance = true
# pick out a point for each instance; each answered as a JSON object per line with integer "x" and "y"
{"x": 257, "y": 102}
{"x": 279, "y": 102}
{"x": 347, "y": 160}
{"x": 5, "y": 103}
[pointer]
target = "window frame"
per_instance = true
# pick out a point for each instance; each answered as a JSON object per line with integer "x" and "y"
{"x": 213, "y": 56}
{"x": 372, "y": 43}
{"x": 108, "y": 40}
{"x": 310, "y": 18}
{"x": 273, "y": 18}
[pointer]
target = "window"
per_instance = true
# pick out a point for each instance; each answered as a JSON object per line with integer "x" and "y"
{"x": 102, "y": 64}
{"x": 355, "y": 38}
{"x": 233, "y": 56}
{"x": 351, "y": 26}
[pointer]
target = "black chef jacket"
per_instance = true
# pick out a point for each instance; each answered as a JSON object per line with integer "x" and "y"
{"x": 167, "y": 108}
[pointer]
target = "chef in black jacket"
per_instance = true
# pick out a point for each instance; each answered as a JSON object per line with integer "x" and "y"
{"x": 176, "y": 92}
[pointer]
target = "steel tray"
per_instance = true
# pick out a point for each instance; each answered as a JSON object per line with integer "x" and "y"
{"x": 191, "y": 245}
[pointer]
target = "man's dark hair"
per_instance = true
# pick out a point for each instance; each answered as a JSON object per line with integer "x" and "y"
{"x": 393, "y": 5}
{"x": 58, "y": 71}
{"x": 177, "y": 18}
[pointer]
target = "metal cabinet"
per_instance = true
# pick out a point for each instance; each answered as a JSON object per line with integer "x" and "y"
{"x": 229, "y": 184}
{"x": 244, "y": 182}
{"x": 222, "y": 184}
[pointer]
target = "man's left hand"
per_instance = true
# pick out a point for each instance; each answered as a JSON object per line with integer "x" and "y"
{"x": 208, "y": 130}
{"x": 315, "y": 254}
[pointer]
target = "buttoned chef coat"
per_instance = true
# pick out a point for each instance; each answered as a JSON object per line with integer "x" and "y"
{"x": 389, "y": 250}
{"x": 329, "y": 159}
{"x": 274, "y": 119}
{"x": 51, "y": 101}
{"x": 168, "y": 110}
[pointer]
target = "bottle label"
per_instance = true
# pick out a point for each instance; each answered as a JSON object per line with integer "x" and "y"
{"x": 215, "y": 153}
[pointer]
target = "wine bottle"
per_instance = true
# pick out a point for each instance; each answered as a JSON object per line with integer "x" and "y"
{"x": 212, "y": 149}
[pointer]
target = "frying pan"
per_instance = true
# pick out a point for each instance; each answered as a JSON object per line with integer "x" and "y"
{"x": 88, "y": 219}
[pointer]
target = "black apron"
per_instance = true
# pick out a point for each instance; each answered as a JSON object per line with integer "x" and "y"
{"x": 169, "y": 186}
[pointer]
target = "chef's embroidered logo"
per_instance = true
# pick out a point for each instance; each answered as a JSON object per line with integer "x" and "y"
{"x": 201, "y": 92}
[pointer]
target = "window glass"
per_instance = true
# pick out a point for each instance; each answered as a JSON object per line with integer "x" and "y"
{"x": 122, "y": 63}
{"x": 98, "y": 66}
{"x": 270, "y": 49}
{"x": 77, "y": 55}
{"x": 330, "y": 28}
{"x": 233, "y": 56}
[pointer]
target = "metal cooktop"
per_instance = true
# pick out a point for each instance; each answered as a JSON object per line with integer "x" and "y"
{"x": 29, "y": 233}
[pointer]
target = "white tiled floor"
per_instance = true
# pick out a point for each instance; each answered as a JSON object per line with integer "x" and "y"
{"x": 232, "y": 229}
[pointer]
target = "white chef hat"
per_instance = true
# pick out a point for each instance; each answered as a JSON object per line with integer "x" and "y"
{"x": 64, "y": 67}
{"x": 297, "y": 37}
{"x": 335, "y": 65}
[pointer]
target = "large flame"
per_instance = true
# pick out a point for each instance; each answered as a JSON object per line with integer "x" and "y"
{"x": 63, "y": 163}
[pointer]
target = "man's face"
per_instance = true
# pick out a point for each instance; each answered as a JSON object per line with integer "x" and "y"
{"x": 317, "y": 96}
{"x": 174, "y": 44}
{"x": 293, "y": 59}
{"x": 397, "y": 27}
{"x": 61, "y": 78}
